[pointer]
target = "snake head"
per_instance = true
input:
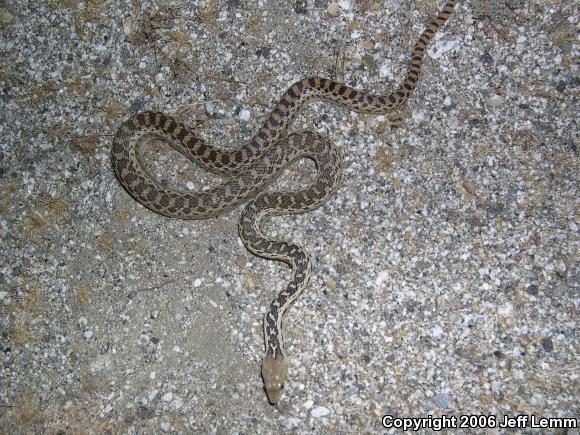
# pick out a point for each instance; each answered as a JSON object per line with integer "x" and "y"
{"x": 275, "y": 375}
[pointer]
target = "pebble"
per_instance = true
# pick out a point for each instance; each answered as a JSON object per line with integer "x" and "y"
{"x": 506, "y": 310}
{"x": 244, "y": 115}
{"x": 495, "y": 100}
{"x": 319, "y": 411}
{"x": 345, "y": 4}
{"x": 291, "y": 422}
{"x": 333, "y": 10}
{"x": 437, "y": 332}
{"x": 443, "y": 400}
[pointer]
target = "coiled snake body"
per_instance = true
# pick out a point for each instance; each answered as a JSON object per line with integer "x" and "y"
{"x": 250, "y": 169}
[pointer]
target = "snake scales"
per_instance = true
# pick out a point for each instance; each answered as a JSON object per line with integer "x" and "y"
{"x": 250, "y": 169}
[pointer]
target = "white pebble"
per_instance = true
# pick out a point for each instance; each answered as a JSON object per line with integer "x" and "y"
{"x": 320, "y": 411}
{"x": 506, "y": 310}
{"x": 437, "y": 332}
{"x": 381, "y": 278}
{"x": 345, "y": 4}
{"x": 384, "y": 71}
{"x": 440, "y": 47}
{"x": 291, "y": 422}
{"x": 102, "y": 363}
{"x": 167, "y": 397}
{"x": 128, "y": 28}
{"x": 332, "y": 10}
{"x": 495, "y": 100}
{"x": 418, "y": 116}
{"x": 244, "y": 114}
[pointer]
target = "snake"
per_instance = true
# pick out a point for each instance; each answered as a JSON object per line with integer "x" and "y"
{"x": 249, "y": 169}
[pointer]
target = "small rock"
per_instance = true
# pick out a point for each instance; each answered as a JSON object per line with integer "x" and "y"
{"x": 443, "y": 400}
{"x": 532, "y": 290}
{"x": 263, "y": 51}
{"x": 370, "y": 62}
{"x": 505, "y": 310}
{"x": 241, "y": 261}
{"x": 418, "y": 116}
{"x": 437, "y": 332}
{"x": 320, "y": 411}
{"x": 244, "y": 114}
{"x": 345, "y": 4}
{"x": 384, "y": 71}
{"x": 547, "y": 344}
{"x": 495, "y": 101}
{"x": 561, "y": 86}
{"x": 352, "y": 390}
{"x": 333, "y": 10}
{"x": 291, "y": 422}
{"x": 300, "y": 7}
{"x": 486, "y": 59}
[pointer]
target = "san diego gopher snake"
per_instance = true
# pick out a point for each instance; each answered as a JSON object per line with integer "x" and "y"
{"x": 250, "y": 169}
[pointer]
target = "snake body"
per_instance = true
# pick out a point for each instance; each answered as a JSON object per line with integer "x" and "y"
{"x": 250, "y": 168}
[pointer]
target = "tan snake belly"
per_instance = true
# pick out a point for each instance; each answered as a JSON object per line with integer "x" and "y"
{"x": 250, "y": 169}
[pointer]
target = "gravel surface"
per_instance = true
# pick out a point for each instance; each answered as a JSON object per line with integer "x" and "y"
{"x": 446, "y": 266}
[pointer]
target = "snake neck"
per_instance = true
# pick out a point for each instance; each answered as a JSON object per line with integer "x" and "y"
{"x": 301, "y": 271}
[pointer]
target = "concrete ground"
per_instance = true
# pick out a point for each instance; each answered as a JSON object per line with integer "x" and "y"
{"x": 446, "y": 266}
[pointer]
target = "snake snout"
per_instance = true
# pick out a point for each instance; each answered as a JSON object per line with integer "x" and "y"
{"x": 274, "y": 392}
{"x": 275, "y": 374}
